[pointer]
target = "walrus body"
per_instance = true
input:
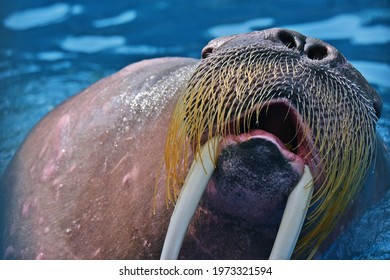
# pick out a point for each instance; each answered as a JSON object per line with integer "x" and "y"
{"x": 89, "y": 182}
{"x": 91, "y": 166}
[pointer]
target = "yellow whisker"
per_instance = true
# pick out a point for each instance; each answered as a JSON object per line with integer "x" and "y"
{"x": 226, "y": 93}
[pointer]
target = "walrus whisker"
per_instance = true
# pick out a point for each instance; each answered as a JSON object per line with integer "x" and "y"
{"x": 191, "y": 193}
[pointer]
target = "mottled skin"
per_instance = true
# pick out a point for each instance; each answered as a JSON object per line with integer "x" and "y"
{"x": 82, "y": 184}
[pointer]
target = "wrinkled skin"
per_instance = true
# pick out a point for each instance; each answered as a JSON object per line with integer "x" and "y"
{"x": 82, "y": 184}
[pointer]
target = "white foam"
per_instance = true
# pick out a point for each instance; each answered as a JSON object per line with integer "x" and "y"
{"x": 124, "y": 17}
{"x": 92, "y": 44}
{"x": 39, "y": 17}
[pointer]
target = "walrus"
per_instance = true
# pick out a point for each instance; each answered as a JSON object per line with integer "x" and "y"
{"x": 262, "y": 115}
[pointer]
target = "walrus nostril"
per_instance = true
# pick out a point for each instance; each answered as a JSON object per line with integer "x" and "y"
{"x": 207, "y": 51}
{"x": 287, "y": 39}
{"x": 317, "y": 52}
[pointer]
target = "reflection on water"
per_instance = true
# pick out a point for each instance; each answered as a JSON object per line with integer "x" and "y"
{"x": 92, "y": 44}
{"x": 39, "y": 17}
{"x": 123, "y": 18}
{"x": 52, "y": 51}
{"x": 355, "y": 27}
{"x": 367, "y": 238}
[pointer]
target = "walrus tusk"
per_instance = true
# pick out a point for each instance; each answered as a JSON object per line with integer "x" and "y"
{"x": 191, "y": 193}
{"x": 293, "y": 218}
{"x": 194, "y": 186}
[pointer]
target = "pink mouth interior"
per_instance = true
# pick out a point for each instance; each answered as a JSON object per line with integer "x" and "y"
{"x": 280, "y": 124}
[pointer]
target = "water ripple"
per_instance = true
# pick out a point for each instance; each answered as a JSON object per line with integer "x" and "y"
{"x": 358, "y": 28}
{"x": 123, "y": 18}
{"x": 39, "y": 17}
{"x": 92, "y": 43}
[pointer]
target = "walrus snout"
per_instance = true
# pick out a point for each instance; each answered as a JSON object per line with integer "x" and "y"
{"x": 318, "y": 51}
{"x": 308, "y": 47}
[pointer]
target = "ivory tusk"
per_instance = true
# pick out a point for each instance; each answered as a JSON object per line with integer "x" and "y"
{"x": 293, "y": 217}
{"x": 197, "y": 179}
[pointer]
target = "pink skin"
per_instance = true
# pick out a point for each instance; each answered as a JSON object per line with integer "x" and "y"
{"x": 82, "y": 184}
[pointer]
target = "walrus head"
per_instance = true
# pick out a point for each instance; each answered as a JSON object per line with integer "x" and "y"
{"x": 276, "y": 101}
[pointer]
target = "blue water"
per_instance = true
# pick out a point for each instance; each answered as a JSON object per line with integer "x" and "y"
{"x": 51, "y": 50}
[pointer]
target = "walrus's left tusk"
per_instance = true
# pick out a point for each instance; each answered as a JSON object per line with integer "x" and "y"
{"x": 293, "y": 218}
{"x": 191, "y": 193}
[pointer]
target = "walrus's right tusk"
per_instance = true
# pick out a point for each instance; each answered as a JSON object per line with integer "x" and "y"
{"x": 293, "y": 218}
{"x": 192, "y": 191}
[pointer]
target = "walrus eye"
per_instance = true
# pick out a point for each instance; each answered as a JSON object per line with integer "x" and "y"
{"x": 207, "y": 51}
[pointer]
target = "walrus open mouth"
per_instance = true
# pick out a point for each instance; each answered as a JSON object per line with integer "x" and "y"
{"x": 281, "y": 123}
{"x": 277, "y": 122}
